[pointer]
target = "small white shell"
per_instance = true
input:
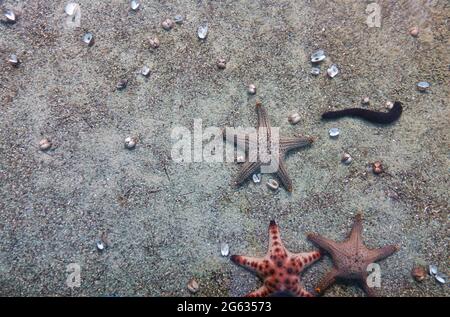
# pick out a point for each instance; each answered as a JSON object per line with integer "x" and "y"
{"x": 100, "y": 245}
{"x": 10, "y": 15}
{"x": 224, "y": 249}
{"x": 433, "y": 270}
{"x": 251, "y": 89}
{"x": 346, "y": 158}
{"x": 145, "y": 71}
{"x": 45, "y": 144}
{"x": 202, "y": 31}
{"x": 256, "y": 178}
{"x": 13, "y": 59}
{"x": 273, "y": 184}
{"x": 294, "y": 118}
{"x": 134, "y": 4}
{"x": 317, "y": 56}
{"x": 334, "y": 132}
{"x": 88, "y": 38}
{"x": 332, "y": 71}
{"x": 440, "y": 278}
{"x": 423, "y": 86}
{"x": 178, "y": 19}
{"x": 130, "y": 143}
{"x": 315, "y": 71}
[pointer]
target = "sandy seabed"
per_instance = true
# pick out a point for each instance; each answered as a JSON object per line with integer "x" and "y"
{"x": 164, "y": 221}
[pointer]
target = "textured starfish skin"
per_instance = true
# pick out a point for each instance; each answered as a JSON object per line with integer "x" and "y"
{"x": 285, "y": 145}
{"x": 279, "y": 269}
{"x": 350, "y": 258}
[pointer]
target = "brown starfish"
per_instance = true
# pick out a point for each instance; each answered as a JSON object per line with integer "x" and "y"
{"x": 284, "y": 145}
{"x": 351, "y": 258}
{"x": 279, "y": 269}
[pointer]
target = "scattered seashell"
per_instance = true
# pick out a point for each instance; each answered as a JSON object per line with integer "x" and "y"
{"x": 315, "y": 71}
{"x": 414, "y": 31}
{"x": 423, "y": 86}
{"x": 9, "y": 15}
{"x": 346, "y": 158}
{"x": 167, "y": 24}
{"x": 178, "y": 19}
{"x": 377, "y": 167}
{"x": 318, "y": 56}
{"x": 332, "y": 71}
{"x": 251, "y": 89}
{"x": 432, "y": 269}
{"x": 202, "y": 31}
{"x": 192, "y": 286}
{"x": 134, "y": 4}
{"x": 273, "y": 184}
{"x": 71, "y": 8}
{"x": 365, "y": 101}
{"x": 418, "y": 273}
{"x": 294, "y": 118}
{"x": 224, "y": 249}
{"x": 13, "y": 60}
{"x": 121, "y": 84}
{"x": 441, "y": 278}
{"x": 334, "y": 132}
{"x": 154, "y": 42}
{"x": 100, "y": 245}
{"x": 145, "y": 71}
{"x": 221, "y": 63}
{"x": 389, "y": 105}
{"x": 256, "y": 178}
{"x": 45, "y": 144}
{"x": 88, "y": 38}
{"x": 130, "y": 142}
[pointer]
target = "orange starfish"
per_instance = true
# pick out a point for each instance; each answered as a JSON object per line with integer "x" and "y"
{"x": 279, "y": 269}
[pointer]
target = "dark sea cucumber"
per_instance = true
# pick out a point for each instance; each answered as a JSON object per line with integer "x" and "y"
{"x": 369, "y": 115}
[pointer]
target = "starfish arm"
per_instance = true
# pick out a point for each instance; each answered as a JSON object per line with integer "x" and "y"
{"x": 327, "y": 281}
{"x": 263, "y": 119}
{"x": 328, "y": 245}
{"x": 263, "y": 291}
{"x": 381, "y": 253}
{"x": 274, "y": 238}
{"x": 305, "y": 259}
{"x": 300, "y": 292}
{"x": 355, "y": 233}
{"x": 287, "y": 144}
{"x": 250, "y": 263}
{"x": 283, "y": 175}
{"x": 247, "y": 169}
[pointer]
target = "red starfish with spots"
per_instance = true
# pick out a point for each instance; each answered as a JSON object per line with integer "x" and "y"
{"x": 279, "y": 269}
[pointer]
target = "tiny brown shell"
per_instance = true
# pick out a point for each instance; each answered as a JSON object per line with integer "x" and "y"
{"x": 193, "y": 286}
{"x": 377, "y": 167}
{"x": 419, "y": 273}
